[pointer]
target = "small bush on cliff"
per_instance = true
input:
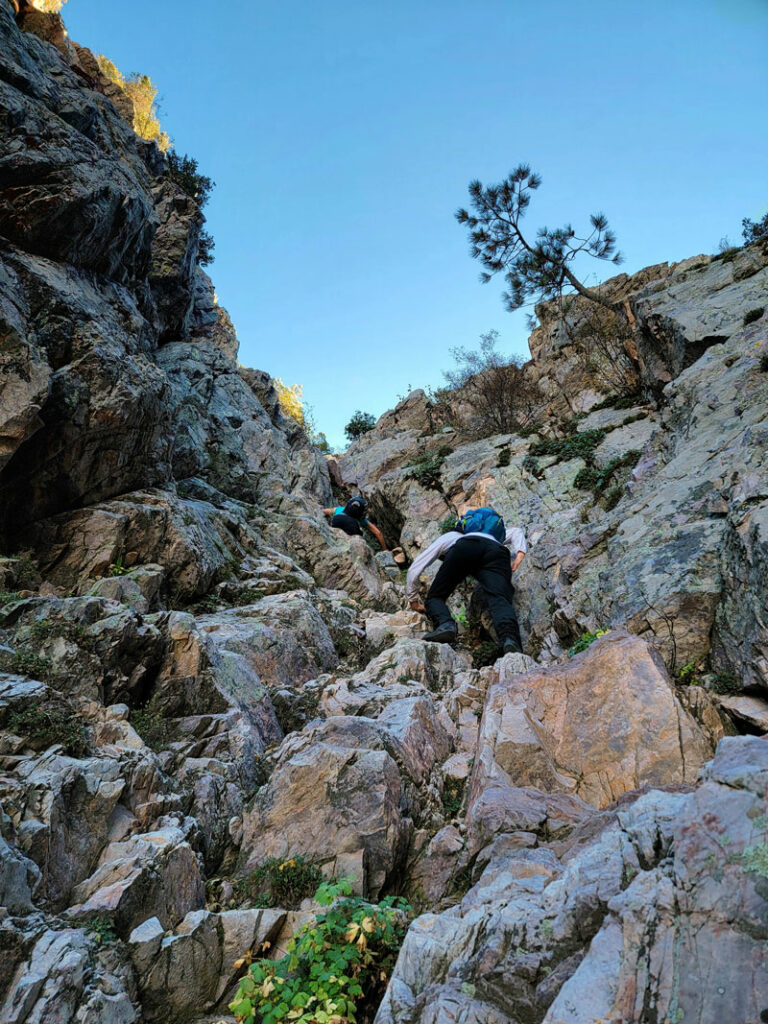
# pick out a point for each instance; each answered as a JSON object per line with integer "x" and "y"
{"x": 336, "y": 969}
{"x": 754, "y": 231}
{"x": 142, "y": 92}
{"x": 45, "y": 722}
{"x": 502, "y": 399}
{"x": 585, "y": 640}
{"x": 183, "y": 170}
{"x": 279, "y": 883}
{"x": 361, "y": 423}
{"x": 427, "y": 469}
{"x": 49, "y": 6}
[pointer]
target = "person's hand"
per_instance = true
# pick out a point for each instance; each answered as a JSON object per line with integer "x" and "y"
{"x": 417, "y": 606}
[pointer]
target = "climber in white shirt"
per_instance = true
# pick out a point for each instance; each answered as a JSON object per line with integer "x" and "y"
{"x": 484, "y": 550}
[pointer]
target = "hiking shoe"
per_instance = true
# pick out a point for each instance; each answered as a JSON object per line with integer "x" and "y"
{"x": 444, "y": 634}
{"x": 512, "y": 647}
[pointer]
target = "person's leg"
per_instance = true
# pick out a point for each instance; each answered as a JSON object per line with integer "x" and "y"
{"x": 495, "y": 577}
{"x": 348, "y": 524}
{"x": 459, "y": 563}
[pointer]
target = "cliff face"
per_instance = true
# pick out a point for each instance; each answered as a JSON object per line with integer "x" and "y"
{"x": 197, "y": 674}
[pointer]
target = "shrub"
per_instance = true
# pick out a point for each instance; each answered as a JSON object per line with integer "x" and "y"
{"x": 585, "y": 640}
{"x": 279, "y": 883}
{"x": 452, "y": 797}
{"x": 102, "y": 929}
{"x": 577, "y": 446}
{"x": 505, "y": 455}
{"x": 754, "y": 231}
{"x": 361, "y": 423}
{"x": 151, "y": 724}
{"x": 448, "y": 524}
{"x": 590, "y": 478}
{"x": 428, "y": 469}
{"x": 45, "y": 722}
{"x": 205, "y": 247}
{"x": 764, "y": 363}
{"x": 336, "y": 969}
{"x": 753, "y": 315}
{"x": 142, "y": 92}
{"x": 25, "y": 663}
{"x": 183, "y": 170}
{"x": 291, "y": 399}
{"x": 496, "y": 388}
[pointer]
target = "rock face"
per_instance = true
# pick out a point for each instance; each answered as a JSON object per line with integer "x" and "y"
{"x": 201, "y": 681}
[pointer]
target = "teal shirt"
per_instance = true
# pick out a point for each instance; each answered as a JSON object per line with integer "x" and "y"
{"x": 340, "y": 509}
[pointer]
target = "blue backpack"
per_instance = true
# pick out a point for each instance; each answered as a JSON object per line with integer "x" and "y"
{"x": 483, "y": 520}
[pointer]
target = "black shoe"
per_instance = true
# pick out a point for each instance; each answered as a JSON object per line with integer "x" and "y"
{"x": 512, "y": 647}
{"x": 446, "y": 633}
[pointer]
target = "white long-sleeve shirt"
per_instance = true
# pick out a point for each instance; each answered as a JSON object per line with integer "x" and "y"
{"x": 515, "y": 541}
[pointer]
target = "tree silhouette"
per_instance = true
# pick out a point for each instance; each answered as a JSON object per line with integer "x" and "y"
{"x": 538, "y": 268}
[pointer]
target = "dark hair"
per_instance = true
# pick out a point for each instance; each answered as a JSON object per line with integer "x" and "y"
{"x": 356, "y": 507}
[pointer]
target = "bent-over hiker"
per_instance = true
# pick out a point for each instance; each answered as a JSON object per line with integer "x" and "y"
{"x": 351, "y": 517}
{"x": 481, "y": 547}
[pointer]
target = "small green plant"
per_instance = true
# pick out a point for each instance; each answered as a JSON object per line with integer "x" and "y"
{"x": 460, "y": 615}
{"x": 619, "y": 402}
{"x": 724, "y": 683}
{"x": 43, "y": 630}
{"x": 505, "y": 456}
{"x": 590, "y": 478}
{"x": 764, "y": 363}
{"x": 585, "y": 640}
{"x": 755, "y": 858}
{"x": 152, "y": 725}
{"x": 577, "y": 446}
{"x": 447, "y": 525}
{"x": 546, "y": 930}
{"x": 427, "y": 470}
{"x": 102, "y": 929}
{"x": 487, "y": 652}
{"x": 7, "y": 596}
{"x": 727, "y": 255}
{"x": 46, "y": 722}
{"x": 279, "y": 882}
{"x": 452, "y": 797}
{"x": 25, "y": 663}
{"x": 117, "y": 568}
{"x": 336, "y": 969}
{"x": 361, "y": 423}
{"x": 753, "y": 315}
{"x": 688, "y": 675}
{"x": 183, "y": 170}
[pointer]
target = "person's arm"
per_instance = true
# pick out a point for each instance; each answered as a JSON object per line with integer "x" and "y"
{"x": 435, "y": 550}
{"x": 327, "y": 511}
{"x": 517, "y": 560}
{"x": 378, "y": 535}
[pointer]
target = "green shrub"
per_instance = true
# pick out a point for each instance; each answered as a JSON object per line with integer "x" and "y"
{"x": 764, "y": 363}
{"x": 45, "y": 722}
{"x": 487, "y": 652}
{"x": 577, "y": 446}
{"x": 448, "y": 524}
{"x": 585, "y": 640}
{"x": 753, "y": 315}
{"x": 452, "y": 797}
{"x": 183, "y": 170}
{"x": 427, "y": 470}
{"x": 336, "y": 969}
{"x": 102, "y": 929}
{"x": 590, "y": 478}
{"x": 505, "y": 456}
{"x": 361, "y": 423}
{"x": 152, "y": 725}
{"x": 7, "y": 596}
{"x": 279, "y": 883}
{"x": 25, "y": 663}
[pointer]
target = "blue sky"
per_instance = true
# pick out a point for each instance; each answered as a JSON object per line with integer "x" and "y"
{"x": 342, "y": 137}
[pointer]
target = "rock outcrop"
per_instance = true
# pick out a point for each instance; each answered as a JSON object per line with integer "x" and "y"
{"x": 202, "y": 682}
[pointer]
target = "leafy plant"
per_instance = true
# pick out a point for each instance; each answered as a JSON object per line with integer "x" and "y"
{"x": 585, "y": 640}
{"x": 152, "y": 725}
{"x": 7, "y": 596}
{"x": 427, "y": 469}
{"x": 142, "y": 92}
{"x": 205, "y": 247}
{"x": 764, "y": 363}
{"x": 117, "y": 568}
{"x": 45, "y": 722}
{"x": 486, "y": 653}
{"x": 577, "y": 446}
{"x": 183, "y": 170}
{"x": 505, "y": 456}
{"x": 279, "y": 883}
{"x": 336, "y": 968}
{"x": 102, "y": 928}
{"x": 25, "y": 663}
{"x": 452, "y": 797}
{"x": 448, "y": 524}
{"x": 361, "y": 423}
{"x": 754, "y": 231}
{"x": 590, "y": 478}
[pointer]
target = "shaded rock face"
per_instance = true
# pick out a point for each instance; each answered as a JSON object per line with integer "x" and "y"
{"x": 198, "y": 675}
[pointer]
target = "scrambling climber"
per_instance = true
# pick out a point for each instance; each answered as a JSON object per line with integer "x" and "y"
{"x": 481, "y": 547}
{"x": 351, "y": 517}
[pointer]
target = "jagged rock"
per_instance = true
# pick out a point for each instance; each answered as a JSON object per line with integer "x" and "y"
{"x": 66, "y": 980}
{"x": 151, "y": 875}
{"x": 604, "y": 723}
{"x": 19, "y": 876}
{"x": 192, "y": 970}
{"x": 174, "y": 252}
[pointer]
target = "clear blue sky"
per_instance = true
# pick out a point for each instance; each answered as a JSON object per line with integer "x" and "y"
{"x": 342, "y": 137}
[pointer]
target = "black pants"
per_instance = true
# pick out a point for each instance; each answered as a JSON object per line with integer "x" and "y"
{"x": 347, "y": 523}
{"x": 488, "y": 562}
